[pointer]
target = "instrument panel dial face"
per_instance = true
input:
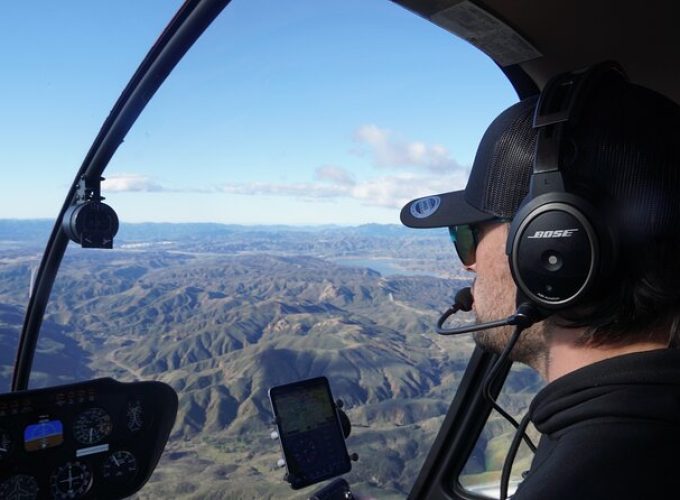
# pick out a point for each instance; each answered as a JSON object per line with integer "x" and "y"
{"x": 120, "y": 467}
{"x": 134, "y": 416}
{"x": 6, "y": 444}
{"x": 71, "y": 480}
{"x": 19, "y": 487}
{"x": 87, "y": 440}
{"x": 92, "y": 426}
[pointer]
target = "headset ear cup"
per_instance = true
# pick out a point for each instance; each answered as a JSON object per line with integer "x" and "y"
{"x": 554, "y": 250}
{"x": 557, "y": 246}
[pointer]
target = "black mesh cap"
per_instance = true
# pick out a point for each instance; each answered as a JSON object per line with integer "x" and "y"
{"x": 623, "y": 158}
{"x": 499, "y": 179}
{"x": 627, "y": 161}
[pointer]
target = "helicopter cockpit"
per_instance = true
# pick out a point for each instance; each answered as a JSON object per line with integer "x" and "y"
{"x": 201, "y": 358}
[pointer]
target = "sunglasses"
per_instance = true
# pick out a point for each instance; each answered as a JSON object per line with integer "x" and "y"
{"x": 465, "y": 238}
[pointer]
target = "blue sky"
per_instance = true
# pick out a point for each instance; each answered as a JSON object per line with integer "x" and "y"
{"x": 286, "y": 111}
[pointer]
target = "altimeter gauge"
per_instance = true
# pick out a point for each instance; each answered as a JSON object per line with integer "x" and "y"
{"x": 120, "y": 467}
{"x": 71, "y": 480}
{"x": 92, "y": 425}
{"x": 19, "y": 487}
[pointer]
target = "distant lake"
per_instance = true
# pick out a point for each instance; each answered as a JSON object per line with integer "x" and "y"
{"x": 386, "y": 267}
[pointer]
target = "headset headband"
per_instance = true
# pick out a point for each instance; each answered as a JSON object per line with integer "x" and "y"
{"x": 561, "y": 103}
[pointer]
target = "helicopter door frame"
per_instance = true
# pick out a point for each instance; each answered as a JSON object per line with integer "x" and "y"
{"x": 458, "y": 434}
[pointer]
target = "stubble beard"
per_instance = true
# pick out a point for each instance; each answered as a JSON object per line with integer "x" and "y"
{"x": 529, "y": 349}
{"x": 499, "y": 303}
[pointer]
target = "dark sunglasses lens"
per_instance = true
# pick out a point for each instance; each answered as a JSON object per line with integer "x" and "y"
{"x": 465, "y": 241}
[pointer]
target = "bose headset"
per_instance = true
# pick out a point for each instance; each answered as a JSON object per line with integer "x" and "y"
{"x": 558, "y": 247}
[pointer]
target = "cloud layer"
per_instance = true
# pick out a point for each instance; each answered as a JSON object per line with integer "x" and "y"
{"x": 391, "y": 191}
{"x": 130, "y": 182}
{"x": 137, "y": 183}
{"x": 388, "y": 150}
{"x": 422, "y": 170}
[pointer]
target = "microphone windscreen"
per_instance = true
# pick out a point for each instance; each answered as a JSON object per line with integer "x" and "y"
{"x": 463, "y": 299}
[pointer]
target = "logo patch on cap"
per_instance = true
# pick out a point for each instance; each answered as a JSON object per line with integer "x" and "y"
{"x": 424, "y": 207}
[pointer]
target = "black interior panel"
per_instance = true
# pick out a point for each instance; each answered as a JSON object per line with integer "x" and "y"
{"x": 95, "y": 439}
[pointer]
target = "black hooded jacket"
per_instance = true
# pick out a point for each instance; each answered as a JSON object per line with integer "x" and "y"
{"x": 610, "y": 430}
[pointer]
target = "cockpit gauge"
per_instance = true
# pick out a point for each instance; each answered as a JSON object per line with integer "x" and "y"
{"x": 86, "y": 440}
{"x": 6, "y": 444}
{"x": 92, "y": 425}
{"x": 120, "y": 467}
{"x": 19, "y": 487}
{"x": 134, "y": 415}
{"x": 71, "y": 480}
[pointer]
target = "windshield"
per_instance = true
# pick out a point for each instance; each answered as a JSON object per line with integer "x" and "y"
{"x": 258, "y": 195}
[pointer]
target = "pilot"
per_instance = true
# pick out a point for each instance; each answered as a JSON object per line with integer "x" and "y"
{"x": 597, "y": 251}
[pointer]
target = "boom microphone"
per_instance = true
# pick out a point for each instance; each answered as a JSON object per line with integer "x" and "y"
{"x": 463, "y": 299}
{"x": 525, "y": 316}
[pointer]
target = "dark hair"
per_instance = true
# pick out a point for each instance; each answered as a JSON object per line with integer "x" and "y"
{"x": 639, "y": 301}
{"x": 625, "y": 159}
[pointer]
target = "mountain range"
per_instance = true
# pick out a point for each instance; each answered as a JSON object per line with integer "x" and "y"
{"x": 223, "y": 313}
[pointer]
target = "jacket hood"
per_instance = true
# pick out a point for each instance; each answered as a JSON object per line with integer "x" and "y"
{"x": 638, "y": 386}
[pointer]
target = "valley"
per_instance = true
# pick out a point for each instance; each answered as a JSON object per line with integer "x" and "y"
{"x": 222, "y": 314}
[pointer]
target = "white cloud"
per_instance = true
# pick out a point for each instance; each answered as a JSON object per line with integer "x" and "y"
{"x": 137, "y": 183}
{"x": 306, "y": 191}
{"x": 386, "y": 191}
{"x": 130, "y": 182}
{"x": 396, "y": 190}
{"x": 335, "y": 175}
{"x": 433, "y": 171}
{"x": 389, "y": 150}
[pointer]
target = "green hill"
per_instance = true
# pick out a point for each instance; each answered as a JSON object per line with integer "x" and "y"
{"x": 223, "y": 327}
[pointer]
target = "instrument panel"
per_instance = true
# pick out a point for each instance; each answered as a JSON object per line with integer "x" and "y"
{"x": 94, "y": 439}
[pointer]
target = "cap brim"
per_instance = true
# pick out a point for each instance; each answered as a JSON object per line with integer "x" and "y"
{"x": 441, "y": 210}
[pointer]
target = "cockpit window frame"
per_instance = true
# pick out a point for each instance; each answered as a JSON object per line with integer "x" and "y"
{"x": 459, "y": 432}
{"x": 187, "y": 26}
{"x": 468, "y": 412}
